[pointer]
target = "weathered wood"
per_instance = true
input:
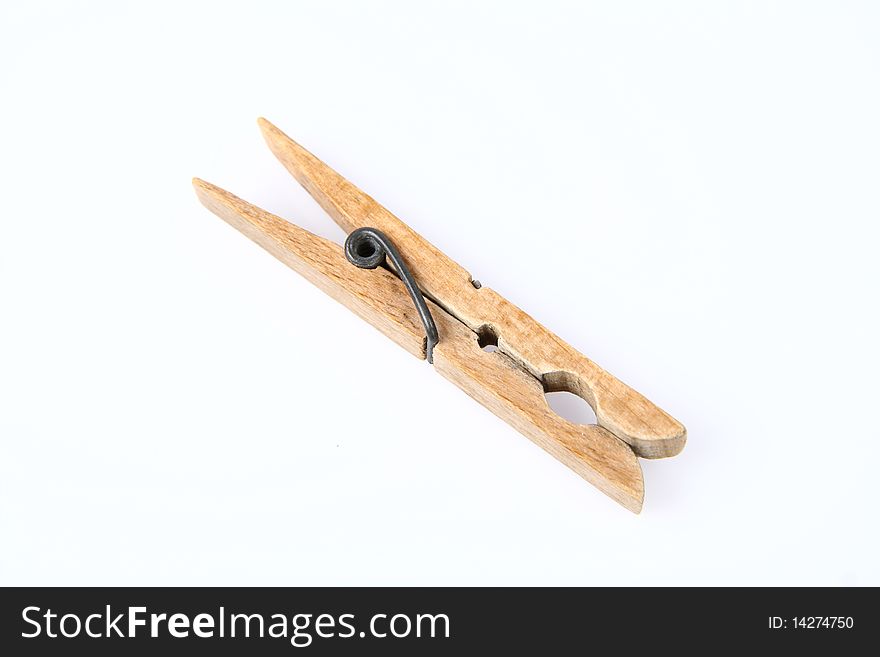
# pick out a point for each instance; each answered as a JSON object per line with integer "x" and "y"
{"x": 493, "y": 379}
{"x": 517, "y": 397}
{"x": 627, "y": 414}
{"x": 372, "y": 294}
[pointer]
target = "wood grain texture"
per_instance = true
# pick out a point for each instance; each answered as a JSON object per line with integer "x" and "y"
{"x": 493, "y": 379}
{"x": 517, "y": 397}
{"x": 650, "y": 431}
{"x": 374, "y": 295}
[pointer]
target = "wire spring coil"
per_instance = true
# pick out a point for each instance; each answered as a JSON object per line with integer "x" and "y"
{"x": 368, "y": 248}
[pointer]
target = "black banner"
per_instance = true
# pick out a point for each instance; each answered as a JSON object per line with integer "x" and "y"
{"x": 325, "y": 621}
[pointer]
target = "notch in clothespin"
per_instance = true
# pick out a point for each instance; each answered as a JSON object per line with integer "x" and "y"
{"x": 397, "y": 281}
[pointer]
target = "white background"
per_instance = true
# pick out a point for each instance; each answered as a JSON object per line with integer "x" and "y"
{"x": 686, "y": 192}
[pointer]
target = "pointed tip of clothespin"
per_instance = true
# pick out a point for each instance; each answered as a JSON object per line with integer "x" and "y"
{"x": 281, "y": 145}
{"x": 211, "y": 196}
{"x": 278, "y": 142}
{"x": 291, "y": 154}
{"x": 207, "y": 193}
{"x": 271, "y": 133}
{"x": 345, "y": 203}
{"x": 264, "y": 123}
{"x": 199, "y": 185}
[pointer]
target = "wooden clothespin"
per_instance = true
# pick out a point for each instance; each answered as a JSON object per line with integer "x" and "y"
{"x": 461, "y": 317}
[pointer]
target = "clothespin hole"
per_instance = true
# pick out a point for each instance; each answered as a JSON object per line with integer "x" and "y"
{"x": 566, "y": 396}
{"x": 487, "y": 338}
{"x": 570, "y": 407}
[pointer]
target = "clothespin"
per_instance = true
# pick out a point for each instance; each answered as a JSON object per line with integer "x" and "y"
{"x": 430, "y": 306}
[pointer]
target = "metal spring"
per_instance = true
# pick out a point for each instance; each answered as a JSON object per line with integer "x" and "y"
{"x": 367, "y": 248}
